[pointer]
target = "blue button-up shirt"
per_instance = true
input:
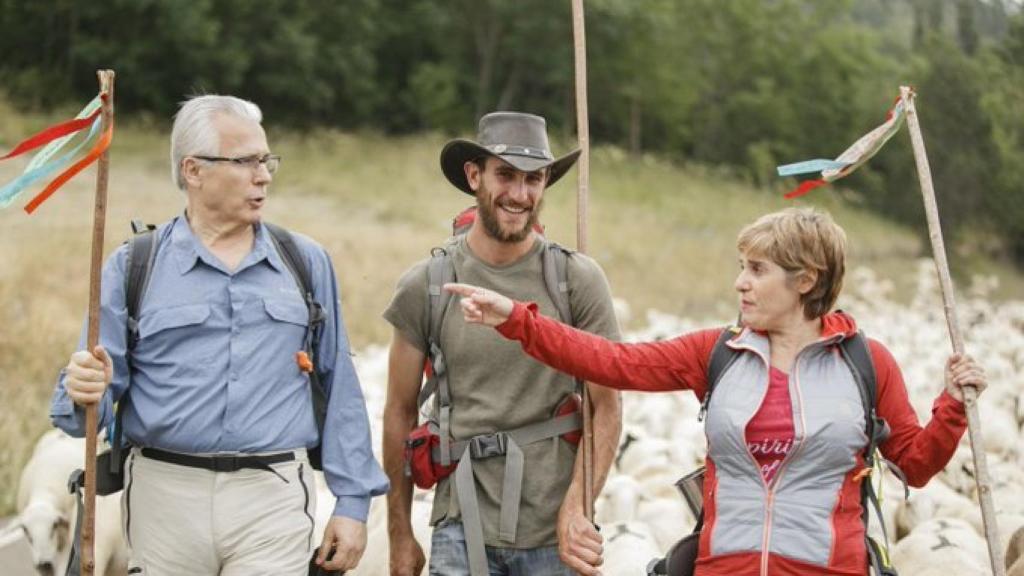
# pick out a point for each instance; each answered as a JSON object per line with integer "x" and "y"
{"x": 214, "y": 369}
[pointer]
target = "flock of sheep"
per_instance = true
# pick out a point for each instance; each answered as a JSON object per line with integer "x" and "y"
{"x": 937, "y": 531}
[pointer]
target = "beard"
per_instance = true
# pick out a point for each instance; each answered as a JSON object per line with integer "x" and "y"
{"x": 488, "y": 213}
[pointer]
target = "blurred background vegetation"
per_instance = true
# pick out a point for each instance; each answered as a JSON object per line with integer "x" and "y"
{"x": 740, "y": 85}
{"x": 692, "y": 104}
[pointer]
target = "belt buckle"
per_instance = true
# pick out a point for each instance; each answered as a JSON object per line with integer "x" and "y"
{"x": 225, "y": 463}
{"x": 485, "y": 446}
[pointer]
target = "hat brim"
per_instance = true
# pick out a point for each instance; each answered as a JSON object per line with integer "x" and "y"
{"x": 456, "y": 153}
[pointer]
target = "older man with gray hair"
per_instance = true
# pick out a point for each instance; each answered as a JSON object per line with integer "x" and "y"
{"x": 219, "y": 389}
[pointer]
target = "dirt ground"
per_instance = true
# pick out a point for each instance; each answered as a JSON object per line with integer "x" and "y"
{"x": 15, "y": 558}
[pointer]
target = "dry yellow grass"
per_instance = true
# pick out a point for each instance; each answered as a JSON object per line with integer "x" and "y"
{"x": 664, "y": 235}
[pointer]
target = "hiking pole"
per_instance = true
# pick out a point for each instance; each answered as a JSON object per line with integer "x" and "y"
{"x": 106, "y": 79}
{"x": 981, "y": 476}
{"x": 583, "y": 175}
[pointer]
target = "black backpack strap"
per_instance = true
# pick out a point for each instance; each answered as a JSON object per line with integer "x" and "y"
{"x": 284, "y": 241}
{"x": 722, "y": 357}
{"x": 141, "y": 254}
{"x": 857, "y": 355}
{"x": 76, "y": 484}
{"x": 142, "y": 249}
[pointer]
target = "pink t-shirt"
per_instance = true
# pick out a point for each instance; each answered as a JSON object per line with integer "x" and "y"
{"x": 770, "y": 432}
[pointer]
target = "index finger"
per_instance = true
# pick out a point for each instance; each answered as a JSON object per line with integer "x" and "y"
{"x": 325, "y": 548}
{"x": 86, "y": 359}
{"x": 461, "y": 289}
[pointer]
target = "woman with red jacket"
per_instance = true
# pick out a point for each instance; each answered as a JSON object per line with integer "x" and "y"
{"x": 785, "y": 426}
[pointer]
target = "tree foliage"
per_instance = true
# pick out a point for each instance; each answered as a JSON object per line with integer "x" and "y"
{"x": 744, "y": 84}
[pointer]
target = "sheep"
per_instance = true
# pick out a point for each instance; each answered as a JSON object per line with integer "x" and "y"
{"x": 375, "y": 558}
{"x": 625, "y": 500}
{"x": 668, "y": 518}
{"x": 618, "y": 501}
{"x": 942, "y": 546}
{"x": 936, "y": 500}
{"x": 628, "y": 548}
{"x": 1015, "y": 554}
{"x": 48, "y": 513}
{"x": 45, "y": 507}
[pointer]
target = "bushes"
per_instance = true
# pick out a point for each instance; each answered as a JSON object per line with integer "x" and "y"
{"x": 743, "y": 84}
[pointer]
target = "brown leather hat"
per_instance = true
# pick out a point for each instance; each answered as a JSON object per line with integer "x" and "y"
{"x": 517, "y": 138}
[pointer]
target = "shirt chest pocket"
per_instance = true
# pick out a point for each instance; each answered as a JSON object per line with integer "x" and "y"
{"x": 287, "y": 311}
{"x": 169, "y": 320}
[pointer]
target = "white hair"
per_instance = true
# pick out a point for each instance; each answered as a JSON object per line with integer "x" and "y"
{"x": 194, "y": 133}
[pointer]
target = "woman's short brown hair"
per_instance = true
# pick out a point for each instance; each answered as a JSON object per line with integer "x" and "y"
{"x": 802, "y": 240}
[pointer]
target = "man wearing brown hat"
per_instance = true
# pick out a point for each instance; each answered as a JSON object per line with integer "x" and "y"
{"x": 503, "y": 425}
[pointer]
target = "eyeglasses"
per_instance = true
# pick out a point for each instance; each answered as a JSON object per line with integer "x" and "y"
{"x": 251, "y": 162}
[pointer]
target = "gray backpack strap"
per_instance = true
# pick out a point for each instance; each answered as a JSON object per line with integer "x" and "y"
{"x": 556, "y": 279}
{"x": 440, "y": 271}
{"x": 555, "y": 269}
{"x": 507, "y": 444}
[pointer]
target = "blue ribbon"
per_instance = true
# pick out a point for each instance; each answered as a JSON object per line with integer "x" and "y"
{"x": 53, "y": 147}
{"x": 809, "y": 166}
{"x": 37, "y": 170}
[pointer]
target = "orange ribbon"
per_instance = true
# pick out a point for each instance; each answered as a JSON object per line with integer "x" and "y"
{"x": 97, "y": 150}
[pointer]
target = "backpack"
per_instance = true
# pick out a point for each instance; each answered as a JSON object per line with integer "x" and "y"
{"x": 857, "y": 356}
{"x": 142, "y": 250}
{"x": 431, "y": 453}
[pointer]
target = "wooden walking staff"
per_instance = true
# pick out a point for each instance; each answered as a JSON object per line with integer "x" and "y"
{"x": 981, "y": 476}
{"x": 106, "y": 78}
{"x": 583, "y": 174}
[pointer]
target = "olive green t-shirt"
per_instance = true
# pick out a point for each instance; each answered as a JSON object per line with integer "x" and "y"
{"x": 495, "y": 386}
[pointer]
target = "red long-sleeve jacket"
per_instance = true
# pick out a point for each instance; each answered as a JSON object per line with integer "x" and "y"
{"x": 808, "y": 520}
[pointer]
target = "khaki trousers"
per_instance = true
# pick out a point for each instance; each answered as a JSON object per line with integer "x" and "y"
{"x": 180, "y": 520}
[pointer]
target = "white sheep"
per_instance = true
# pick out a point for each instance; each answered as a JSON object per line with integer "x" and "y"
{"x": 47, "y": 510}
{"x": 45, "y": 507}
{"x": 628, "y": 548}
{"x": 936, "y": 500}
{"x": 618, "y": 501}
{"x": 940, "y": 547}
{"x": 1015, "y": 554}
{"x": 375, "y": 558}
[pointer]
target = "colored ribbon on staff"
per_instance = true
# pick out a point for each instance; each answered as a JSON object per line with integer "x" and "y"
{"x": 93, "y": 155}
{"x": 38, "y": 170}
{"x": 55, "y": 138}
{"x": 852, "y": 158}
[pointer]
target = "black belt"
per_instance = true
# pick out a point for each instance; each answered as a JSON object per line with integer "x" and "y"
{"x": 219, "y": 463}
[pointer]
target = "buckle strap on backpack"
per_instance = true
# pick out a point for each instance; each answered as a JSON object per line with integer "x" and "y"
{"x": 485, "y": 446}
{"x": 439, "y": 272}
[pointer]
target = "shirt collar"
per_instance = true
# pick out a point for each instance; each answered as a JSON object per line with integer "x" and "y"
{"x": 187, "y": 249}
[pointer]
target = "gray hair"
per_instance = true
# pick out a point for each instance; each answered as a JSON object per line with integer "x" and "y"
{"x": 194, "y": 133}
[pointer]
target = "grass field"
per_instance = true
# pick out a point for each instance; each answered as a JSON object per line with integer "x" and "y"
{"x": 664, "y": 234}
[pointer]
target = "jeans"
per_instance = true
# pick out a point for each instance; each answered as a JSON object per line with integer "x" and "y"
{"x": 448, "y": 556}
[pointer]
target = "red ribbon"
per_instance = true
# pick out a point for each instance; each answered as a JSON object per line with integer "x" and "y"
{"x": 52, "y": 133}
{"x": 804, "y": 187}
{"x": 97, "y": 150}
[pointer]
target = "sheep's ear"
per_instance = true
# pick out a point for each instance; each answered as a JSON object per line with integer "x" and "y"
{"x": 12, "y": 532}
{"x": 60, "y": 532}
